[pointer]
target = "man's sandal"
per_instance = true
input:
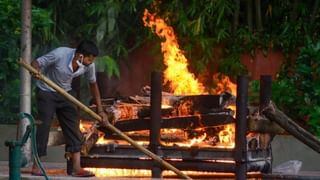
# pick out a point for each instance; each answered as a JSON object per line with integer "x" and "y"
{"x": 36, "y": 172}
{"x": 82, "y": 173}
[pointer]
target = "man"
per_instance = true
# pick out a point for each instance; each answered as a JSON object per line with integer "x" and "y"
{"x": 61, "y": 65}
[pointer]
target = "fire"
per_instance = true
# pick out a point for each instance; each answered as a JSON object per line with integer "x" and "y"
{"x": 82, "y": 129}
{"x": 224, "y": 84}
{"x": 113, "y": 172}
{"x": 181, "y": 81}
{"x": 226, "y": 136}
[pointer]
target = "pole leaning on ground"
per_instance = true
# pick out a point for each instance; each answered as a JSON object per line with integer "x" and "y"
{"x": 99, "y": 119}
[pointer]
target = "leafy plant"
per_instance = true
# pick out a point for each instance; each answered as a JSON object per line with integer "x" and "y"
{"x": 108, "y": 65}
{"x": 298, "y": 88}
{"x": 10, "y": 29}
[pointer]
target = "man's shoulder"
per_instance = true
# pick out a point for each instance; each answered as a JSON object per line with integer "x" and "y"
{"x": 62, "y": 52}
{"x": 64, "y": 49}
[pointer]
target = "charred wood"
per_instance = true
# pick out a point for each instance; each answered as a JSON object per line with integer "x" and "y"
{"x": 185, "y": 122}
{"x": 90, "y": 139}
{"x": 260, "y": 124}
{"x": 145, "y": 137}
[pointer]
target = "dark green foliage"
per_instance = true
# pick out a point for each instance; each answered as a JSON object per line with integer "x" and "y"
{"x": 10, "y": 29}
{"x": 296, "y": 91}
{"x": 301, "y": 87}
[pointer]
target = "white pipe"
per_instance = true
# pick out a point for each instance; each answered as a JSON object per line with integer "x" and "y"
{"x": 25, "y": 78}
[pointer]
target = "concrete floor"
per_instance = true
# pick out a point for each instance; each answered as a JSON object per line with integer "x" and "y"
{"x": 56, "y": 171}
{"x": 285, "y": 148}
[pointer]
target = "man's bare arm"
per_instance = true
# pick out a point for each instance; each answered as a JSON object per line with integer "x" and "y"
{"x": 96, "y": 95}
{"x": 97, "y": 98}
{"x": 36, "y": 65}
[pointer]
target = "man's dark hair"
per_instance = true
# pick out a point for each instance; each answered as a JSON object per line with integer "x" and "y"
{"x": 87, "y": 48}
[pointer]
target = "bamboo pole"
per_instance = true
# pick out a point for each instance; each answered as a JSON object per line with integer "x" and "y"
{"x": 100, "y": 120}
{"x": 274, "y": 114}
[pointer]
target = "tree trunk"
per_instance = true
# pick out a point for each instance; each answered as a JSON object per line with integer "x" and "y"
{"x": 25, "y": 85}
{"x": 236, "y": 16}
{"x": 314, "y": 11}
{"x": 258, "y": 15}
{"x": 294, "y": 13}
{"x": 249, "y": 14}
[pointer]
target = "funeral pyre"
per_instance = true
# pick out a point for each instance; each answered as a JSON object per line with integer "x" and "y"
{"x": 186, "y": 120}
{"x": 197, "y": 133}
{"x": 196, "y": 126}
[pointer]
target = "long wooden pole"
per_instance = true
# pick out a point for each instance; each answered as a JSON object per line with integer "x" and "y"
{"x": 99, "y": 119}
{"x": 274, "y": 114}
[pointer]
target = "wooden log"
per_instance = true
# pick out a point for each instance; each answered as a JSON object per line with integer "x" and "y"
{"x": 264, "y": 126}
{"x": 260, "y": 124}
{"x": 145, "y": 137}
{"x": 185, "y": 122}
{"x": 274, "y": 114}
{"x": 100, "y": 120}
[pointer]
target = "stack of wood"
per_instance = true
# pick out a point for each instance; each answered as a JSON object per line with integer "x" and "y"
{"x": 136, "y": 107}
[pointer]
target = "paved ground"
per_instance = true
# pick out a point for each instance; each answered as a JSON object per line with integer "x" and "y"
{"x": 57, "y": 171}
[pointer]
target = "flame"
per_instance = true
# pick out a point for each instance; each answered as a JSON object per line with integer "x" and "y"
{"x": 81, "y": 126}
{"x": 121, "y": 173}
{"x": 181, "y": 81}
{"x": 114, "y": 172}
{"x": 101, "y": 140}
{"x": 224, "y": 84}
{"x": 226, "y": 136}
{"x": 198, "y": 140}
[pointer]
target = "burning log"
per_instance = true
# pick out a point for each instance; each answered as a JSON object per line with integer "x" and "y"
{"x": 274, "y": 114}
{"x": 90, "y": 139}
{"x": 146, "y": 112}
{"x": 203, "y": 104}
{"x": 144, "y": 136}
{"x": 123, "y": 111}
{"x": 179, "y": 106}
{"x": 183, "y": 122}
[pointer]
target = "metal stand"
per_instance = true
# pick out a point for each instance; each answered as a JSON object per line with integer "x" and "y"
{"x": 15, "y": 155}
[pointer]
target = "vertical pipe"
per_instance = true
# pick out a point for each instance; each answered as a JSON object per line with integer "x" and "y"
{"x": 241, "y": 128}
{"x": 25, "y": 84}
{"x": 14, "y": 159}
{"x": 265, "y": 91}
{"x": 154, "y": 144}
{"x": 265, "y": 98}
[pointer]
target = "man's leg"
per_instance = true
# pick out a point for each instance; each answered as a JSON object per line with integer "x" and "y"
{"x": 69, "y": 122}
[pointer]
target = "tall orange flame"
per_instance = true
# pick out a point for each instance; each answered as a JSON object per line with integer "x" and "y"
{"x": 181, "y": 81}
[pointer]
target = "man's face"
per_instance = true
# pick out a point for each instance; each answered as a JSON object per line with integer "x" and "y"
{"x": 87, "y": 60}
